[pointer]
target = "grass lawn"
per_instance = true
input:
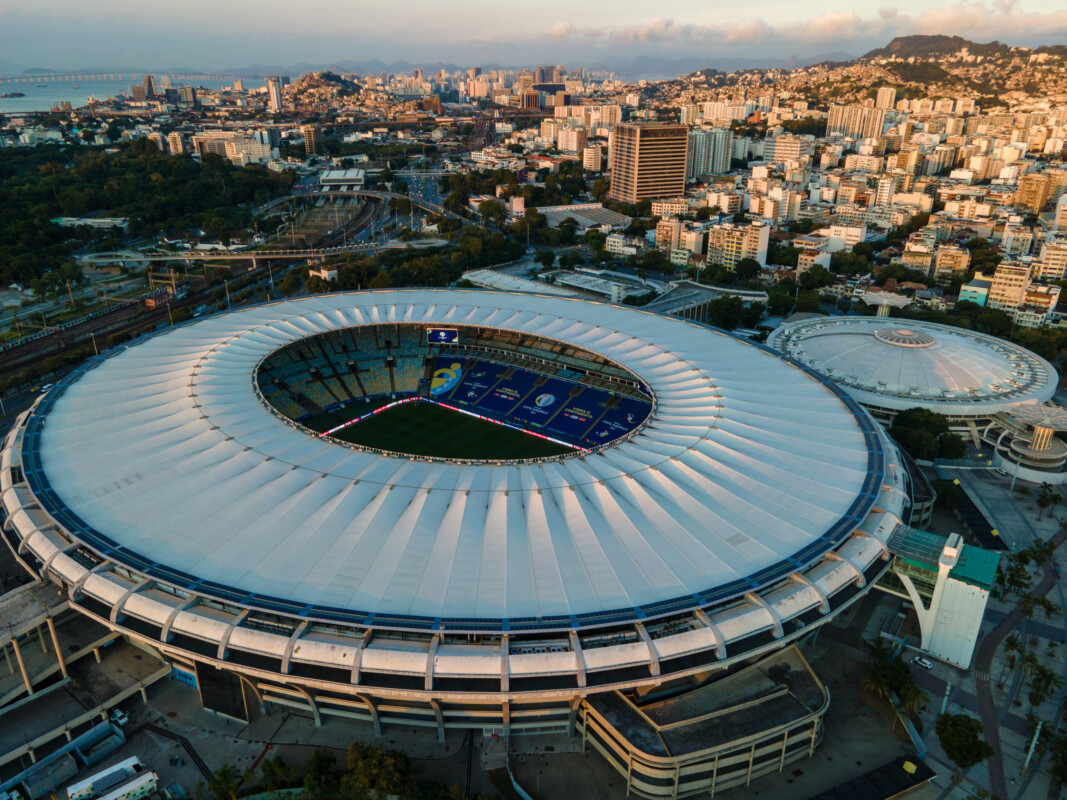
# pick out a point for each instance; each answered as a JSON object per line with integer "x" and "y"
{"x": 423, "y": 429}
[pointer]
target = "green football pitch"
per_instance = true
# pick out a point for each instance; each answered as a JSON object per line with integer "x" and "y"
{"x": 423, "y": 429}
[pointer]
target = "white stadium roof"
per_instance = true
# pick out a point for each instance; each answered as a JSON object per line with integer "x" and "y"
{"x": 899, "y": 364}
{"x": 170, "y": 461}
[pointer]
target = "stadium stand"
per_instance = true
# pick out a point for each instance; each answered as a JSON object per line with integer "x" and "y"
{"x": 508, "y": 376}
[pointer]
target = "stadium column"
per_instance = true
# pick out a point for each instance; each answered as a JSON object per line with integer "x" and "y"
{"x": 720, "y": 640}
{"x": 22, "y": 665}
{"x": 368, "y": 701}
{"x": 653, "y": 655}
{"x": 572, "y": 717}
{"x": 579, "y": 658}
{"x": 440, "y": 720}
{"x": 776, "y": 620}
{"x": 55, "y": 644}
{"x": 428, "y": 683}
{"x": 311, "y": 702}
{"x": 505, "y": 666}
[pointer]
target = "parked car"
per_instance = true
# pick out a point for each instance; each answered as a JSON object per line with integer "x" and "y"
{"x": 922, "y": 662}
{"x": 118, "y": 716}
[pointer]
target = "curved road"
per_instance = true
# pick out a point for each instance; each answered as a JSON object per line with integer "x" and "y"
{"x": 986, "y": 707}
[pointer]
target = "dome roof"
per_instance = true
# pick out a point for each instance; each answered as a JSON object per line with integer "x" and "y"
{"x": 900, "y": 364}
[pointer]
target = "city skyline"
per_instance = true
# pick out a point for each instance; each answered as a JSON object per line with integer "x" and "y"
{"x": 53, "y": 34}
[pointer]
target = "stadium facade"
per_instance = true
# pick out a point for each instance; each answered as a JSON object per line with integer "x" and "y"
{"x": 738, "y": 501}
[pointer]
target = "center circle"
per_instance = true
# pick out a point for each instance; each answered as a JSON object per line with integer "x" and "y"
{"x": 904, "y": 337}
{"x": 451, "y": 392}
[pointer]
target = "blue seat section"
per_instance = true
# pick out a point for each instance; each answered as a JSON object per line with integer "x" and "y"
{"x": 508, "y": 393}
{"x": 621, "y": 419}
{"x": 546, "y": 400}
{"x": 578, "y": 414}
{"x": 478, "y": 385}
{"x": 473, "y": 383}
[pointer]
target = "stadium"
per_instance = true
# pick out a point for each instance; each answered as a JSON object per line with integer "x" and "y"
{"x": 464, "y": 509}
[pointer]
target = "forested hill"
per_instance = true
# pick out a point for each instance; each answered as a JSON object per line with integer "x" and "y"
{"x": 154, "y": 190}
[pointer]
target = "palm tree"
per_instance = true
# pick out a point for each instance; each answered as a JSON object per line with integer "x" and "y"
{"x": 1009, "y": 666}
{"x": 912, "y": 696}
{"x": 224, "y": 782}
{"x": 1044, "y": 498}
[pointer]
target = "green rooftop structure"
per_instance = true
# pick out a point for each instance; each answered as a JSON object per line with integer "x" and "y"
{"x": 948, "y": 582}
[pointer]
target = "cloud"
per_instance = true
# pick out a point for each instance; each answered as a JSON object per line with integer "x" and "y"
{"x": 1003, "y": 19}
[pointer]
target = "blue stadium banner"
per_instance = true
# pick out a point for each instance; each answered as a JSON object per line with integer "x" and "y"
{"x": 442, "y": 335}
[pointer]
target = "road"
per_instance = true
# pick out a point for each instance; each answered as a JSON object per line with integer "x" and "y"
{"x": 983, "y": 662}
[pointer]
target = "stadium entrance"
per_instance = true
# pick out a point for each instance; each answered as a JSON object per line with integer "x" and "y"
{"x": 463, "y": 392}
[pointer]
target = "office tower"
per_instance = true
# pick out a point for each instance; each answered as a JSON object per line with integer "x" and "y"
{"x": 709, "y": 152}
{"x": 170, "y": 94}
{"x": 887, "y": 97}
{"x": 149, "y": 86}
{"x": 526, "y": 82}
{"x": 311, "y": 139}
{"x": 175, "y": 143}
{"x": 648, "y": 161}
{"x": 418, "y": 75}
{"x": 238, "y": 85}
{"x": 187, "y": 94}
{"x": 859, "y": 122}
{"x": 274, "y": 93}
{"x": 139, "y": 95}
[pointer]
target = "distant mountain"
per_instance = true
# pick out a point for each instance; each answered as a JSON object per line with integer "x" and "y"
{"x": 934, "y": 47}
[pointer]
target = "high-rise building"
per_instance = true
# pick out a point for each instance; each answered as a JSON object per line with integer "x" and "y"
{"x": 1010, "y": 282}
{"x": 859, "y": 122}
{"x": 1059, "y": 218}
{"x": 729, "y": 243}
{"x": 1033, "y": 191}
{"x": 274, "y": 93}
{"x": 647, "y": 161}
{"x": 238, "y": 85}
{"x": 1052, "y": 263}
{"x": 571, "y": 140}
{"x": 592, "y": 158}
{"x": 157, "y": 139}
{"x": 887, "y": 97}
{"x": 311, "y": 139}
{"x": 175, "y": 143}
{"x": 139, "y": 95}
{"x": 187, "y": 94}
{"x": 149, "y": 86}
{"x": 709, "y": 152}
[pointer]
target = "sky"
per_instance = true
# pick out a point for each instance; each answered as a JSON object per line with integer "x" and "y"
{"x": 216, "y": 35}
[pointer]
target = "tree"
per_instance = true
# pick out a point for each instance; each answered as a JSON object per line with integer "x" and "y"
{"x": 492, "y": 211}
{"x": 726, "y": 312}
{"x": 815, "y": 277}
{"x": 809, "y": 302}
{"x": 747, "y": 269}
{"x": 960, "y": 736}
{"x": 546, "y": 258}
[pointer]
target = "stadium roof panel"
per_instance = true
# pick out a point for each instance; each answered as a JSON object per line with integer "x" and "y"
{"x": 750, "y": 468}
